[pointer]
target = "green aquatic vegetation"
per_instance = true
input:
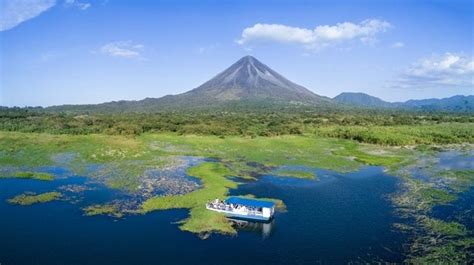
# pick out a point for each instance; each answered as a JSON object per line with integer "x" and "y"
{"x": 445, "y": 228}
{"x": 215, "y": 184}
{"x": 30, "y": 175}
{"x": 435, "y": 196}
{"x": 125, "y": 158}
{"x": 462, "y": 180}
{"x": 434, "y": 240}
{"x": 372, "y": 155}
{"x": 127, "y": 174}
{"x": 246, "y": 170}
{"x": 33, "y": 149}
{"x": 123, "y": 161}
{"x": 276, "y": 151}
{"x": 402, "y": 227}
{"x": 133, "y": 155}
{"x": 453, "y": 252}
{"x": 295, "y": 174}
{"x": 268, "y": 151}
{"x": 32, "y": 198}
{"x": 103, "y": 209}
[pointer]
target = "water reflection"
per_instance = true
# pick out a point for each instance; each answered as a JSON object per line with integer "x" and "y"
{"x": 263, "y": 228}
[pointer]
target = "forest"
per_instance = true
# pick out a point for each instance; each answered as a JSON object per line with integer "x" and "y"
{"x": 369, "y": 126}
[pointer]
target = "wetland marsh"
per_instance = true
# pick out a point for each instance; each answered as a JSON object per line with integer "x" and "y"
{"x": 152, "y": 188}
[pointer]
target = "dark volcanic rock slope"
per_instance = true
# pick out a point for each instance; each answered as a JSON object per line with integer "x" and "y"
{"x": 249, "y": 79}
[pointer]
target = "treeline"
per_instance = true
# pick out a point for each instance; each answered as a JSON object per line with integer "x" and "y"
{"x": 349, "y": 125}
{"x": 396, "y": 135}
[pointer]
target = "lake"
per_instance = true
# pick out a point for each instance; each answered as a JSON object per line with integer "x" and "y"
{"x": 337, "y": 219}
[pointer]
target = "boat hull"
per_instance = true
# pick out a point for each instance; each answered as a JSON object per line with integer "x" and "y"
{"x": 247, "y": 217}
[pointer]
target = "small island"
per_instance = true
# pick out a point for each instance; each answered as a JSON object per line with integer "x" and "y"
{"x": 32, "y": 198}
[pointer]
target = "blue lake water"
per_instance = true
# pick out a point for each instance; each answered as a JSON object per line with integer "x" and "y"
{"x": 337, "y": 219}
{"x": 461, "y": 210}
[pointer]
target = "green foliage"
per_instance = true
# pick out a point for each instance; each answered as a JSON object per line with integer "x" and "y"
{"x": 263, "y": 151}
{"x": 127, "y": 158}
{"x": 370, "y": 156}
{"x": 31, "y": 175}
{"x": 201, "y": 220}
{"x": 29, "y": 198}
{"x": 436, "y": 196}
{"x": 378, "y": 127}
{"x": 462, "y": 180}
{"x": 444, "y": 133}
{"x": 455, "y": 252}
{"x": 445, "y": 228}
{"x": 215, "y": 185}
{"x": 454, "y": 248}
{"x": 295, "y": 174}
{"x": 103, "y": 209}
{"x": 23, "y": 149}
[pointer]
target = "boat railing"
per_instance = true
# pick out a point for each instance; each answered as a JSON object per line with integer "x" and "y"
{"x": 234, "y": 208}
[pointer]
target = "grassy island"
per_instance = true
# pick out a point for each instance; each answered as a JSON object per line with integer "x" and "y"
{"x": 30, "y": 175}
{"x": 31, "y": 198}
{"x": 103, "y": 209}
{"x": 215, "y": 185}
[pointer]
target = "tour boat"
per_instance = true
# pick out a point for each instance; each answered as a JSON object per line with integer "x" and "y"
{"x": 243, "y": 208}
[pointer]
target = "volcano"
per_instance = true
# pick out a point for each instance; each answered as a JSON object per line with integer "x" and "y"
{"x": 250, "y": 79}
{"x": 248, "y": 83}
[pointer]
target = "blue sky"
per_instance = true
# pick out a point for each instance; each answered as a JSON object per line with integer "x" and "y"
{"x": 73, "y": 52}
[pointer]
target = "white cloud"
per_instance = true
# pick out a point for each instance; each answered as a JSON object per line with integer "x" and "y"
{"x": 124, "y": 49}
{"x": 448, "y": 70}
{"x": 14, "y": 12}
{"x": 319, "y": 37}
{"x": 77, "y": 4}
{"x": 398, "y": 45}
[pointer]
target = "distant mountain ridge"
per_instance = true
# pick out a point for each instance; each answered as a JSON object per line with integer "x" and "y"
{"x": 246, "y": 83}
{"x": 457, "y": 103}
{"x": 250, "y": 85}
{"x": 361, "y": 99}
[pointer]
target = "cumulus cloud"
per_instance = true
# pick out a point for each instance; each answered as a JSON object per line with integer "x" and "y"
{"x": 124, "y": 49}
{"x": 77, "y": 4}
{"x": 398, "y": 45}
{"x": 448, "y": 70}
{"x": 14, "y": 12}
{"x": 319, "y": 37}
